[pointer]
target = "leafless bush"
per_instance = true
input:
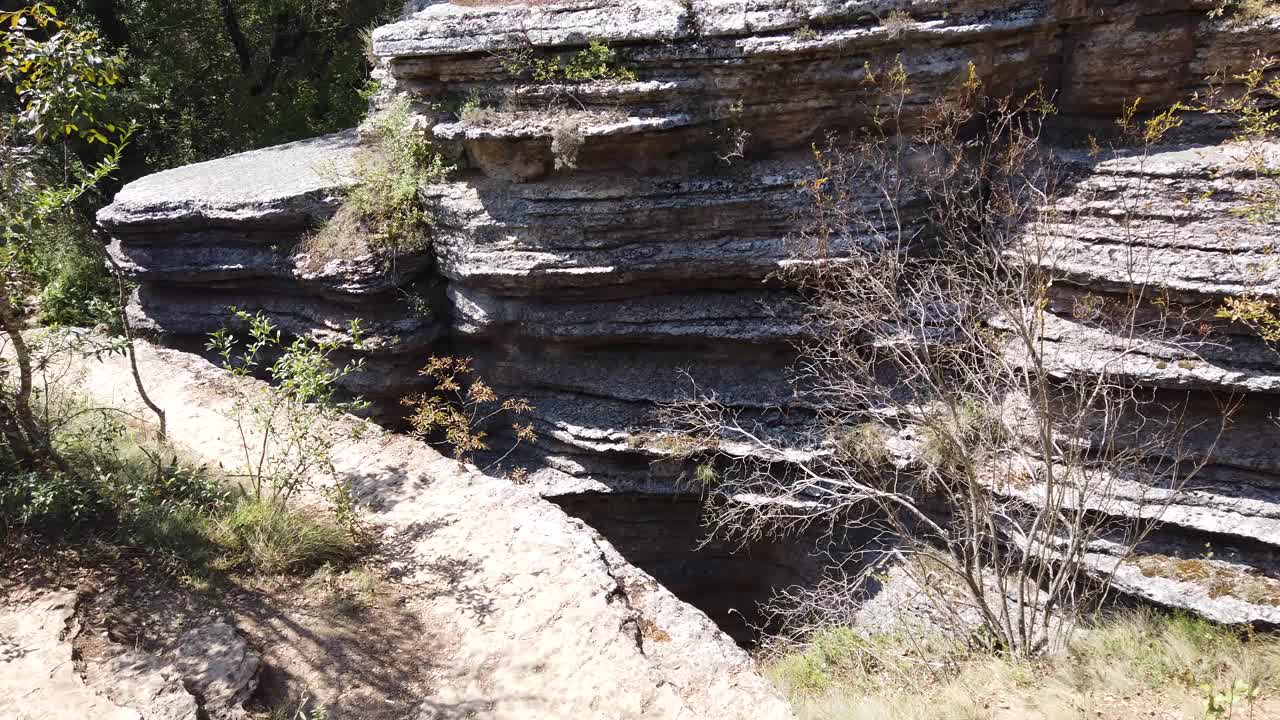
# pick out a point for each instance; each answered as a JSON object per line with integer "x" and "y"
{"x": 898, "y": 22}
{"x": 944, "y": 417}
{"x": 566, "y": 140}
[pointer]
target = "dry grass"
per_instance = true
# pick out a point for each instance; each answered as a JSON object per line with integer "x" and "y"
{"x": 270, "y": 539}
{"x": 344, "y": 237}
{"x": 1221, "y": 580}
{"x": 898, "y": 22}
{"x": 1245, "y": 10}
{"x": 1134, "y": 665}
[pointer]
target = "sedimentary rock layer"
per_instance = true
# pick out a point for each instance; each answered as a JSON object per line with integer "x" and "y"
{"x": 601, "y": 284}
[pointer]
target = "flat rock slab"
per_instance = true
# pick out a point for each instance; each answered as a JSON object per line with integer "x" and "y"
{"x": 531, "y": 614}
{"x": 38, "y": 679}
{"x": 282, "y": 185}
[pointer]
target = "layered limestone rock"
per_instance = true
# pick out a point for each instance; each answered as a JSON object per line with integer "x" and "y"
{"x": 605, "y": 245}
{"x": 230, "y": 233}
{"x": 1180, "y": 227}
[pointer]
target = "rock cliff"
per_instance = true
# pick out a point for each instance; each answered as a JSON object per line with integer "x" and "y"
{"x": 601, "y": 247}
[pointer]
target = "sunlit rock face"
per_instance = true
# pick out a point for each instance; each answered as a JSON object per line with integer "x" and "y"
{"x": 601, "y": 289}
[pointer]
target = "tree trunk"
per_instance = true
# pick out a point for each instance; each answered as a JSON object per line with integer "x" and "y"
{"x": 31, "y": 440}
{"x": 231, "y": 20}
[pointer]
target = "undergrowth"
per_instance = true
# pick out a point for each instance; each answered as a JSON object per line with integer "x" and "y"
{"x": 130, "y": 490}
{"x": 264, "y": 537}
{"x": 1135, "y": 664}
{"x": 596, "y": 62}
{"x": 1245, "y": 10}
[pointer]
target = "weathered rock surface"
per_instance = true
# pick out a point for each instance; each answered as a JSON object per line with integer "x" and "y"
{"x": 592, "y": 290}
{"x": 38, "y": 679}
{"x": 205, "y": 238}
{"x": 533, "y": 614}
{"x": 143, "y": 682}
{"x": 218, "y": 666}
{"x": 209, "y": 674}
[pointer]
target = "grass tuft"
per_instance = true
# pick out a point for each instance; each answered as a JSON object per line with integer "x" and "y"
{"x": 382, "y": 213}
{"x": 268, "y": 538}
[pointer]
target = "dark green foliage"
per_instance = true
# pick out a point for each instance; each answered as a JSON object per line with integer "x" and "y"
{"x": 70, "y": 274}
{"x": 111, "y": 476}
{"x": 205, "y": 79}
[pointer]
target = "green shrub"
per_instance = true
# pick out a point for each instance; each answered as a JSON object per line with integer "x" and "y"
{"x": 284, "y": 439}
{"x": 382, "y": 212}
{"x": 597, "y": 61}
{"x": 74, "y": 286}
{"x": 112, "y": 478}
{"x": 50, "y": 500}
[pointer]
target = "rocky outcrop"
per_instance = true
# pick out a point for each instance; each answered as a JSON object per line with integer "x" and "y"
{"x": 210, "y": 672}
{"x": 528, "y": 612}
{"x": 1173, "y": 226}
{"x": 600, "y": 287}
{"x": 230, "y": 233}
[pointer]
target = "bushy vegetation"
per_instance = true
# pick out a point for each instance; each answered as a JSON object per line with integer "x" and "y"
{"x": 65, "y": 469}
{"x": 595, "y": 62}
{"x": 210, "y": 78}
{"x": 1138, "y": 664}
{"x": 284, "y": 443}
{"x": 199, "y": 80}
{"x": 116, "y": 480}
{"x": 113, "y": 472}
{"x": 382, "y": 212}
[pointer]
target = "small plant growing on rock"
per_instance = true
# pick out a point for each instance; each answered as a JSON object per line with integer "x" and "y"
{"x": 897, "y": 22}
{"x": 461, "y": 408}
{"x": 1257, "y": 314}
{"x": 804, "y": 33}
{"x": 866, "y": 443}
{"x": 566, "y": 141}
{"x": 731, "y": 138}
{"x": 1249, "y": 101}
{"x": 1244, "y": 10}
{"x": 563, "y": 115}
{"x": 596, "y": 62}
{"x": 286, "y": 446}
{"x": 382, "y": 212}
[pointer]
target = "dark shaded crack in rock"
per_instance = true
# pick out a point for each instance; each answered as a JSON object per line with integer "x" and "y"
{"x": 621, "y": 592}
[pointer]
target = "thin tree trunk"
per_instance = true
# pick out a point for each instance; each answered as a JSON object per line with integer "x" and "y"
{"x": 37, "y": 444}
{"x": 129, "y": 349}
{"x": 231, "y": 20}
